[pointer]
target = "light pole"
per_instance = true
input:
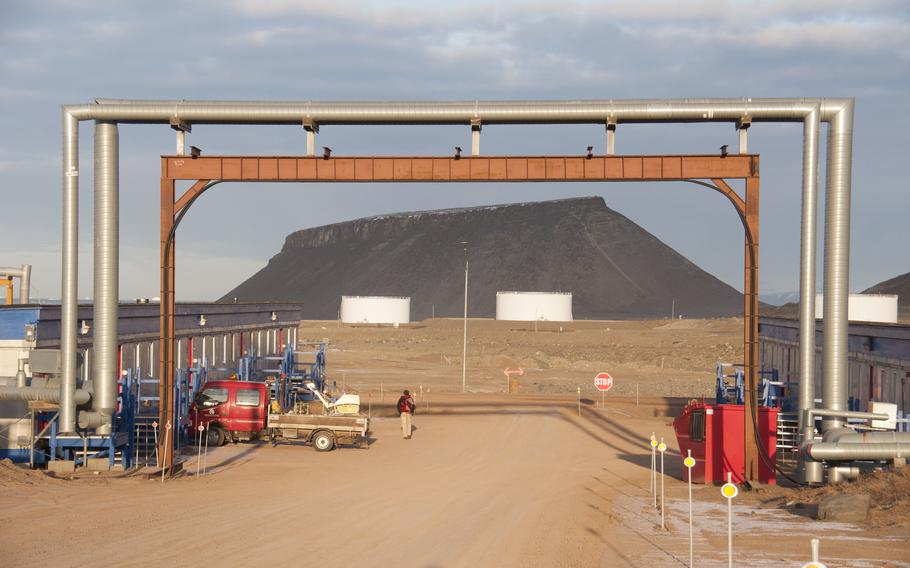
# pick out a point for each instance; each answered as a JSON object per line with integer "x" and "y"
{"x": 464, "y": 352}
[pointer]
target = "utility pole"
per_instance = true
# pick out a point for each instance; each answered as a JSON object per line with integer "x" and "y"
{"x": 464, "y": 352}
{"x": 673, "y": 310}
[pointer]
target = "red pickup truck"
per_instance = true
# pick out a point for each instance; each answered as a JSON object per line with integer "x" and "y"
{"x": 231, "y": 410}
{"x": 239, "y": 410}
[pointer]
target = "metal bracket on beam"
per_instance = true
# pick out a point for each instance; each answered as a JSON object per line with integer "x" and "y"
{"x": 742, "y": 126}
{"x": 182, "y": 127}
{"x": 311, "y": 130}
{"x": 475, "y": 136}
{"x": 611, "y": 136}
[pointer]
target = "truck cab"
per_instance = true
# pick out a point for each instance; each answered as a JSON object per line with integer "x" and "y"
{"x": 231, "y": 410}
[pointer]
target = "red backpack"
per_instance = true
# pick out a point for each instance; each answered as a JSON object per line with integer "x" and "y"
{"x": 404, "y": 404}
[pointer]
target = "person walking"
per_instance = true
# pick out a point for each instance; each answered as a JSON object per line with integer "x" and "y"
{"x": 406, "y": 408}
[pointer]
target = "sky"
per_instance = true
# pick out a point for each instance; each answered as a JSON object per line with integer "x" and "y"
{"x": 73, "y": 51}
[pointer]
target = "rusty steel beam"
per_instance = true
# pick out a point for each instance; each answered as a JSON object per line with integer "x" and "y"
{"x": 750, "y": 331}
{"x": 444, "y": 169}
{"x": 167, "y": 339}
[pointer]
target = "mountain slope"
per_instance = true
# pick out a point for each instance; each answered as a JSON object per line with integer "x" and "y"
{"x": 613, "y": 267}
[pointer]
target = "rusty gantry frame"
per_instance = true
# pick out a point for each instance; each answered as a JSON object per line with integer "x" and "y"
{"x": 707, "y": 171}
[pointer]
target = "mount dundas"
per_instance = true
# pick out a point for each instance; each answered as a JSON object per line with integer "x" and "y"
{"x": 614, "y": 268}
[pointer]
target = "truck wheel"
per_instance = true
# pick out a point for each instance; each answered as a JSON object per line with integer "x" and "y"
{"x": 215, "y": 437}
{"x": 323, "y": 441}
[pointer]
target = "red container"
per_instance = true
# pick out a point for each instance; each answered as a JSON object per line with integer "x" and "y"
{"x": 715, "y": 435}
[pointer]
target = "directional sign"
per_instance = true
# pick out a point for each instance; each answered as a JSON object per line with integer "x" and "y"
{"x": 603, "y": 381}
{"x": 729, "y": 490}
{"x": 518, "y": 372}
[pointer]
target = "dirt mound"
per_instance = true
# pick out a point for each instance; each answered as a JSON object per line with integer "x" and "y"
{"x": 614, "y": 268}
{"x": 10, "y": 474}
{"x": 890, "y": 493}
{"x": 899, "y": 285}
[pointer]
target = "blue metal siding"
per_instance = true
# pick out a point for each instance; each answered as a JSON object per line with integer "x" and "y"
{"x": 14, "y": 320}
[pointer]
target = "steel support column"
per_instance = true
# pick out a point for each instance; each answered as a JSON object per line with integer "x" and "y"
{"x": 750, "y": 331}
{"x": 167, "y": 343}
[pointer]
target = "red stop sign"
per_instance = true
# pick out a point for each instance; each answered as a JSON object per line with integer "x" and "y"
{"x": 603, "y": 381}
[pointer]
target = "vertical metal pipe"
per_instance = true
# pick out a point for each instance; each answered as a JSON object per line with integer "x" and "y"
{"x": 464, "y": 344}
{"x": 69, "y": 272}
{"x": 106, "y": 277}
{"x": 837, "y": 262}
{"x": 811, "y": 128}
{"x": 25, "y": 282}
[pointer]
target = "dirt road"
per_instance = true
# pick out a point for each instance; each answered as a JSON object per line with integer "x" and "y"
{"x": 485, "y": 481}
{"x": 481, "y": 487}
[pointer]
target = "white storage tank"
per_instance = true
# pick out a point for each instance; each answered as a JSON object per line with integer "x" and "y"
{"x": 534, "y": 306}
{"x": 375, "y": 309}
{"x": 876, "y": 308}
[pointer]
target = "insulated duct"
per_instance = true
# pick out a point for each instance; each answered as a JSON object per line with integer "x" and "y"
{"x": 69, "y": 272}
{"x": 850, "y": 451}
{"x": 838, "y": 113}
{"x": 40, "y": 394}
{"x": 807, "y": 471}
{"x": 837, "y": 263}
{"x": 107, "y": 250}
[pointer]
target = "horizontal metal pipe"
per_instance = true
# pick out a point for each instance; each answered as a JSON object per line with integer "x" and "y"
{"x": 848, "y": 435}
{"x": 40, "y": 394}
{"x": 454, "y": 112}
{"x": 90, "y": 419}
{"x": 14, "y": 272}
{"x": 840, "y": 451}
{"x": 827, "y": 412}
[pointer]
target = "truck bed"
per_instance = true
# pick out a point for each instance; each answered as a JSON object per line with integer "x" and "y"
{"x": 353, "y": 423}
{"x": 305, "y": 427}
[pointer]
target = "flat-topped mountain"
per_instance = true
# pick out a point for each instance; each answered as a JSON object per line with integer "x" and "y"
{"x": 613, "y": 267}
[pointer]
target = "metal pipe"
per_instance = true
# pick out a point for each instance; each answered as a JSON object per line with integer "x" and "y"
{"x": 849, "y": 451}
{"x": 23, "y": 273}
{"x": 20, "y": 375}
{"x": 92, "y": 419}
{"x": 42, "y": 394}
{"x": 837, "y": 262}
{"x": 807, "y": 471}
{"x": 848, "y": 435}
{"x": 455, "y": 112}
{"x": 841, "y": 473}
{"x": 107, "y": 245}
{"x": 837, "y": 112}
{"x": 69, "y": 272}
{"x": 828, "y": 413}
{"x": 25, "y": 284}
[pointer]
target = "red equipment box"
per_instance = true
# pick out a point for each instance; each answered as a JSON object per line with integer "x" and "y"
{"x": 715, "y": 434}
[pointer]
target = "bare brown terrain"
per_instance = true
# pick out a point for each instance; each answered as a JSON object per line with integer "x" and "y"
{"x": 489, "y": 479}
{"x": 662, "y": 357}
